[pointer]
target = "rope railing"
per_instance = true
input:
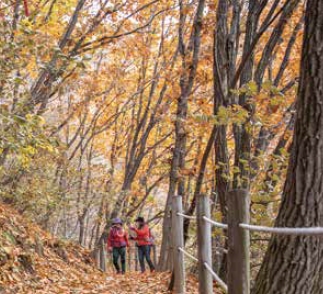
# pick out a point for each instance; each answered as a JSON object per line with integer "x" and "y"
{"x": 209, "y": 268}
{"x": 216, "y": 224}
{"x": 216, "y": 277}
{"x": 238, "y": 234}
{"x": 187, "y": 254}
{"x": 204, "y": 223}
{"x": 185, "y": 216}
{"x": 284, "y": 231}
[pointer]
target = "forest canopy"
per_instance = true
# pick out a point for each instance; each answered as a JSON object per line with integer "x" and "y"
{"x": 110, "y": 108}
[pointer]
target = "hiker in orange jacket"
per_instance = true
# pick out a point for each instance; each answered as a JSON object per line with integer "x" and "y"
{"x": 117, "y": 243}
{"x": 144, "y": 242}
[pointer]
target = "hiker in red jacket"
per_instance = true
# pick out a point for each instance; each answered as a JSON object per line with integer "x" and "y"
{"x": 144, "y": 242}
{"x": 117, "y": 243}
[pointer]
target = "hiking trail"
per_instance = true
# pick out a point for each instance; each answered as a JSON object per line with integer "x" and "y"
{"x": 33, "y": 261}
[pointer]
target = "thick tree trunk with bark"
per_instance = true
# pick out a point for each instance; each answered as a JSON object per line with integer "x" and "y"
{"x": 295, "y": 264}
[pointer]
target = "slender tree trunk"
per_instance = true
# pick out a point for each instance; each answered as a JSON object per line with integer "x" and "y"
{"x": 221, "y": 72}
{"x": 242, "y": 135}
{"x": 295, "y": 264}
{"x": 190, "y": 57}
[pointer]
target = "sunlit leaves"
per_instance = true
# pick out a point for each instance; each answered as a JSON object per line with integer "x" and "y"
{"x": 234, "y": 114}
{"x": 23, "y": 136}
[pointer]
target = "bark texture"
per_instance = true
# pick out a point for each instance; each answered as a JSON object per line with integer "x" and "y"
{"x": 295, "y": 264}
{"x": 221, "y": 75}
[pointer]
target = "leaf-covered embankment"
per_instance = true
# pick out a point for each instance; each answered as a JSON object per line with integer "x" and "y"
{"x": 32, "y": 261}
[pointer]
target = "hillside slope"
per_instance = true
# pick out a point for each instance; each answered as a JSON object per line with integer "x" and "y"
{"x": 32, "y": 261}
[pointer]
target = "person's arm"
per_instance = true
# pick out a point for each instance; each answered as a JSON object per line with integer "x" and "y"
{"x": 133, "y": 228}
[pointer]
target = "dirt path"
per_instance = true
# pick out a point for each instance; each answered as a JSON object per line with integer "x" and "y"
{"x": 62, "y": 267}
{"x": 130, "y": 283}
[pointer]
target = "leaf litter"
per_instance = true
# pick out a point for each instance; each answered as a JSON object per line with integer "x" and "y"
{"x": 32, "y": 261}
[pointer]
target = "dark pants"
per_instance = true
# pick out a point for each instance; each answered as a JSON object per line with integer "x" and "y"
{"x": 144, "y": 252}
{"x": 116, "y": 253}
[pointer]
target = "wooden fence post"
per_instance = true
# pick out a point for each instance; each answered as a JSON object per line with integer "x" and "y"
{"x": 204, "y": 245}
{"x": 239, "y": 242}
{"x": 178, "y": 242}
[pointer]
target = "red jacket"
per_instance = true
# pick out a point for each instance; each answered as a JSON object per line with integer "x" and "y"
{"x": 143, "y": 236}
{"x": 118, "y": 237}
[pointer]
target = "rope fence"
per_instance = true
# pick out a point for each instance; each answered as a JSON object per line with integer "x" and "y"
{"x": 209, "y": 268}
{"x": 188, "y": 254}
{"x": 185, "y": 216}
{"x": 238, "y": 253}
{"x": 216, "y": 224}
{"x": 216, "y": 277}
{"x": 284, "y": 231}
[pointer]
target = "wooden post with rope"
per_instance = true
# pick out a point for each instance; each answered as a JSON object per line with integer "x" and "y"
{"x": 239, "y": 242}
{"x": 204, "y": 245}
{"x": 178, "y": 242}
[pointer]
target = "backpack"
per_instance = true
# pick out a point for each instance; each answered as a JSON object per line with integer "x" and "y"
{"x": 118, "y": 237}
{"x": 117, "y": 233}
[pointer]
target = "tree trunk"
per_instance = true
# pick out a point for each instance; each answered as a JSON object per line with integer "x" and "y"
{"x": 190, "y": 57}
{"x": 221, "y": 72}
{"x": 295, "y": 264}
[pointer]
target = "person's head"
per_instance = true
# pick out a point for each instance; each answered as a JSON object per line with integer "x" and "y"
{"x": 140, "y": 221}
{"x": 117, "y": 222}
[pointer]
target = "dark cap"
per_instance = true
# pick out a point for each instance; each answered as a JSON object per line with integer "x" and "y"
{"x": 140, "y": 219}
